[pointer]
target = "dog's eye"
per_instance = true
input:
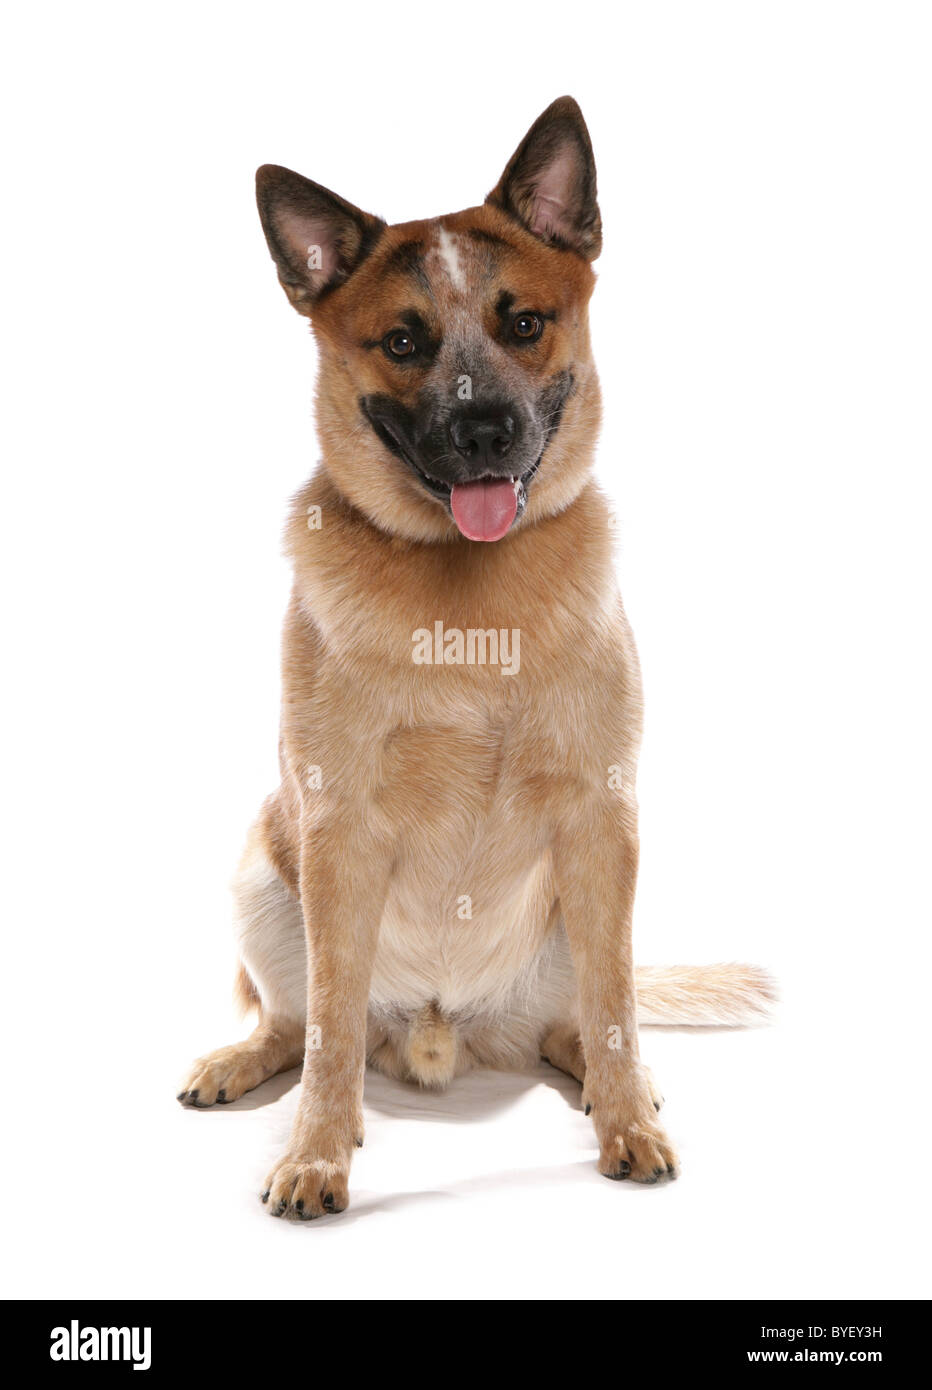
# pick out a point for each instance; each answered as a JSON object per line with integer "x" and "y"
{"x": 400, "y": 344}
{"x": 527, "y": 327}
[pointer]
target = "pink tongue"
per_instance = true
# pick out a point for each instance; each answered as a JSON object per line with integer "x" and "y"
{"x": 484, "y": 511}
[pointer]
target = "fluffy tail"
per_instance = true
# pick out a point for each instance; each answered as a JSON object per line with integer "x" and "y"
{"x": 245, "y": 995}
{"x": 723, "y": 995}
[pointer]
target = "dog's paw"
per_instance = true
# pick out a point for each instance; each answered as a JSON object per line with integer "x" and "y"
{"x": 632, "y": 1142}
{"x": 305, "y": 1188}
{"x": 636, "y": 1151}
{"x": 222, "y": 1076}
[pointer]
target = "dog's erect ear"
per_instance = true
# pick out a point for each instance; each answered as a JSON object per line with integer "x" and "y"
{"x": 316, "y": 239}
{"x": 549, "y": 182}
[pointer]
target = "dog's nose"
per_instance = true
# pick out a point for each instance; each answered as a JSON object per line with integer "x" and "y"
{"x": 483, "y": 440}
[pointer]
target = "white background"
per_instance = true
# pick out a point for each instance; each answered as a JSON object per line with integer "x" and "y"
{"x": 762, "y": 325}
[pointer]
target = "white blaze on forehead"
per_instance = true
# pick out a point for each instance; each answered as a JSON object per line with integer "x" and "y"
{"x": 450, "y": 257}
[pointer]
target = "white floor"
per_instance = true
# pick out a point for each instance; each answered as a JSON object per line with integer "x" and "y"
{"x": 488, "y": 1190}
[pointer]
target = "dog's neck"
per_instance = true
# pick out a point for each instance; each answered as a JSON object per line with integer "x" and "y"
{"x": 365, "y": 590}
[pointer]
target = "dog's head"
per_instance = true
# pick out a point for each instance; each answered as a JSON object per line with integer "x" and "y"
{"x": 456, "y": 381}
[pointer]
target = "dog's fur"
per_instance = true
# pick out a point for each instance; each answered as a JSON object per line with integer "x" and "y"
{"x": 445, "y": 877}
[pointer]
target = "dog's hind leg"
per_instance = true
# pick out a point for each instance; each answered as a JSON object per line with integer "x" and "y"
{"x": 223, "y": 1076}
{"x": 563, "y": 1049}
{"x": 272, "y": 975}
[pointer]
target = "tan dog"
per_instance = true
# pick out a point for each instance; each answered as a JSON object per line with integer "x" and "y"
{"x": 445, "y": 877}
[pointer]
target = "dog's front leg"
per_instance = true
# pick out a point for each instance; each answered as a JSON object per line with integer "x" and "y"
{"x": 344, "y": 879}
{"x": 595, "y": 861}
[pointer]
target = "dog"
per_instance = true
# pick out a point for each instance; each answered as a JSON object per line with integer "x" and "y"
{"x": 445, "y": 877}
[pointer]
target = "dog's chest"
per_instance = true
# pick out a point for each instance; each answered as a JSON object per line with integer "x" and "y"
{"x": 471, "y": 889}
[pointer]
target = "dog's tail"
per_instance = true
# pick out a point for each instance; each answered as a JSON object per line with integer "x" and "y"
{"x": 711, "y": 995}
{"x": 245, "y": 995}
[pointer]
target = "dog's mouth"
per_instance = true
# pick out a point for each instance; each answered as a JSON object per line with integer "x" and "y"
{"x": 484, "y": 509}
